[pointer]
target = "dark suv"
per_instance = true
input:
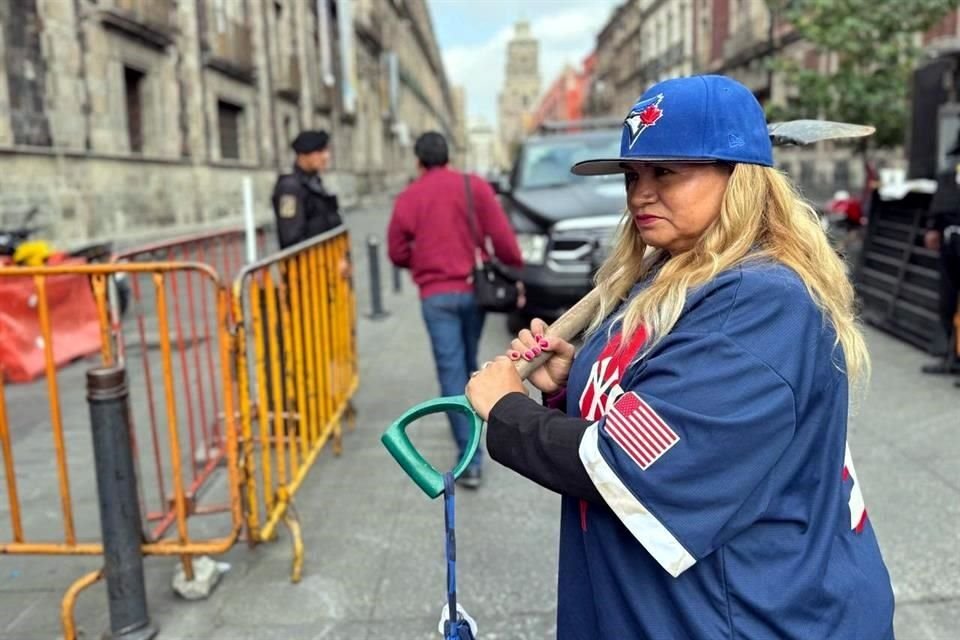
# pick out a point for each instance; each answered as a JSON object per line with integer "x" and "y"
{"x": 564, "y": 223}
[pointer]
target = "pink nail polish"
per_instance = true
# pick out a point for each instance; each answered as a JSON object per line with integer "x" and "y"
{"x": 528, "y": 355}
{"x": 538, "y": 338}
{"x": 536, "y": 351}
{"x": 514, "y": 355}
{"x": 544, "y": 342}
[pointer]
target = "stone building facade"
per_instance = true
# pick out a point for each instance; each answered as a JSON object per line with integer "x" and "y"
{"x": 646, "y": 41}
{"x": 563, "y": 99}
{"x": 521, "y": 87}
{"x": 124, "y": 117}
{"x": 607, "y": 94}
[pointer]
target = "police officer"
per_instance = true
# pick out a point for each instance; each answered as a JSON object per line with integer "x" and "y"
{"x": 943, "y": 236}
{"x": 303, "y": 206}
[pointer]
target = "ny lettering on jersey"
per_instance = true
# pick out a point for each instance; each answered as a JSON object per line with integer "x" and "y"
{"x": 603, "y": 385}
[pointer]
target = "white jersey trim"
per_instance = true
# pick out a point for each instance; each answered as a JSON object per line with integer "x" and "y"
{"x": 650, "y": 532}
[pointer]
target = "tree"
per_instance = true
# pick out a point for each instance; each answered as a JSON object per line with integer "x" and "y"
{"x": 874, "y": 44}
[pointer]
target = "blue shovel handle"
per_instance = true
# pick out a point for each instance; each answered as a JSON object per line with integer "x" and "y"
{"x": 420, "y": 471}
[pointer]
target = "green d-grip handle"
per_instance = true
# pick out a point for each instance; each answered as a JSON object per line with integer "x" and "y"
{"x": 422, "y": 472}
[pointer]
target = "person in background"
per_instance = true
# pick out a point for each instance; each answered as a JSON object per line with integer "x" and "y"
{"x": 708, "y": 489}
{"x": 943, "y": 236}
{"x": 301, "y": 203}
{"x": 429, "y": 233}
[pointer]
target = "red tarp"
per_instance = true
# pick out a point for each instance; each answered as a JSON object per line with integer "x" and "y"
{"x": 74, "y": 325}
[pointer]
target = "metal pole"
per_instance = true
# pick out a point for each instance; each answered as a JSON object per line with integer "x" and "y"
{"x": 249, "y": 224}
{"x": 120, "y": 523}
{"x": 376, "y": 293}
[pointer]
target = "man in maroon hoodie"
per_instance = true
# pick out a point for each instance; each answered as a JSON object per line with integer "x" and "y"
{"x": 430, "y": 234}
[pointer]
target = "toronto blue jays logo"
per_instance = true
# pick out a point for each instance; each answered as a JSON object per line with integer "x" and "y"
{"x": 644, "y": 114}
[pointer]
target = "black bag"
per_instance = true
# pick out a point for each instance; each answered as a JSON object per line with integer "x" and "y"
{"x": 494, "y": 286}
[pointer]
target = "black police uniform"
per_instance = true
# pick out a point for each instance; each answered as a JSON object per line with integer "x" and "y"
{"x": 303, "y": 207}
{"x": 945, "y": 219}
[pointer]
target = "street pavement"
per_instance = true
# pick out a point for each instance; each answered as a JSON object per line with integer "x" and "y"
{"x": 374, "y": 542}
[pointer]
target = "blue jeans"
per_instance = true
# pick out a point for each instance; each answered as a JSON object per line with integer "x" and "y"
{"x": 454, "y": 323}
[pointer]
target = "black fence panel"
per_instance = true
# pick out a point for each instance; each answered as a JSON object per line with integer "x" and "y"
{"x": 897, "y": 278}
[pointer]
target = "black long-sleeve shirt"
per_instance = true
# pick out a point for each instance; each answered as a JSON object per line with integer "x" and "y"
{"x": 540, "y": 444}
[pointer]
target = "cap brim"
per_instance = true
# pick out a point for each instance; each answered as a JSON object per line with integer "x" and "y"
{"x": 608, "y": 166}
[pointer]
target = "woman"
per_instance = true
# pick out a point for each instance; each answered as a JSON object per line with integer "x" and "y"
{"x": 708, "y": 489}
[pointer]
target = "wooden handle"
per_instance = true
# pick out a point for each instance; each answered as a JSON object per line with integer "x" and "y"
{"x": 567, "y": 327}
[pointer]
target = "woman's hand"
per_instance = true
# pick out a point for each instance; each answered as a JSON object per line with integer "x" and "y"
{"x": 493, "y": 381}
{"x": 552, "y": 376}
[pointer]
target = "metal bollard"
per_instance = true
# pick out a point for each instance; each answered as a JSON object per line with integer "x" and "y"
{"x": 120, "y": 523}
{"x": 377, "y": 311}
{"x": 397, "y": 279}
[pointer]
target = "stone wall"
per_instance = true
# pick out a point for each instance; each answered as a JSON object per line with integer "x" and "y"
{"x": 82, "y": 197}
{"x": 65, "y": 138}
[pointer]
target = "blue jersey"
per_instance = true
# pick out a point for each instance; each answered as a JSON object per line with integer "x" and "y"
{"x": 732, "y": 507}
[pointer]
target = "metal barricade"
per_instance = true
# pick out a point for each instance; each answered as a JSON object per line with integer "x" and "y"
{"x": 165, "y": 429}
{"x": 221, "y": 250}
{"x": 296, "y": 372}
{"x": 193, "y": 327}
{"x": 234, "y": 394}
{"x": 897, "y": 278}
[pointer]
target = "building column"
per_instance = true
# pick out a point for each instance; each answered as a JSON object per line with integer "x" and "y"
{"x": 304, "y": 26}
{"x": 261, "y": 24}
{"x": 6, "y": 129}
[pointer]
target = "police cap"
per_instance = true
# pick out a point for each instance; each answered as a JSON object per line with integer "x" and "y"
{"x": 310, "y": 141}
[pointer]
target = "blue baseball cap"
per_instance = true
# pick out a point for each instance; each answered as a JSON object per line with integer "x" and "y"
{"x": 692, "y": 119}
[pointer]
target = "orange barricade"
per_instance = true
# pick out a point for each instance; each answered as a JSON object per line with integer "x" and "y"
{"x": 68, "y": 321}
{"x": 193, "y": 326}
{"x": 283, "y": 366}
{"x": 223, "y": 250}
{"x": 177, "y": 447}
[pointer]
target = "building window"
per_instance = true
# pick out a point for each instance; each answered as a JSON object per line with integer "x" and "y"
{"x": 806, "y": 172}
{"x": 133, "y": 95}
{"x": 228, "y": 120}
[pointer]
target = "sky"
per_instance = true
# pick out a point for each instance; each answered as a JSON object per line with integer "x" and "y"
{"x": 473, "y": 36}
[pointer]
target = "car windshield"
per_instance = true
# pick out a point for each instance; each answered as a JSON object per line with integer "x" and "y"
{"x": 547, "y": 163}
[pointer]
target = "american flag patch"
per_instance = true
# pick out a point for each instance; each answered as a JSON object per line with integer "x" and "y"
{"x": 640, "y": 432}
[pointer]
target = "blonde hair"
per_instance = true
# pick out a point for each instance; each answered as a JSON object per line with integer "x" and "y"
{"x": 761, "y": 217}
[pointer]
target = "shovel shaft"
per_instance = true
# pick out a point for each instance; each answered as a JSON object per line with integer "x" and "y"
{"x": 567, "y": 327}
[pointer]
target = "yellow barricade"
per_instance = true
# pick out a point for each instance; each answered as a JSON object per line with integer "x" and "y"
{"x": 296, "y": 373}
